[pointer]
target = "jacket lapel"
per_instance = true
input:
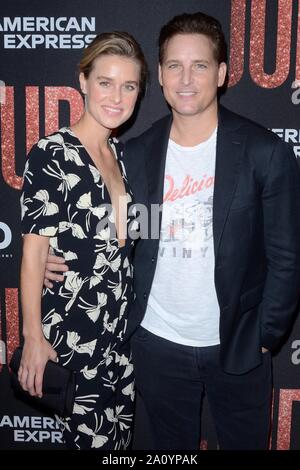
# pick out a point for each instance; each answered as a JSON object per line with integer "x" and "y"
{"x": 156, "y": 161}
{"x": 230, "y": 147}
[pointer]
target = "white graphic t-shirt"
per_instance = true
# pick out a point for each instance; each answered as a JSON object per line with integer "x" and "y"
{"x": 183, "y": 305}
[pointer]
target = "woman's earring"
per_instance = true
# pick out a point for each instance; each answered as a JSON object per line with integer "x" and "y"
{"x": 85, "y": 102}
{"x": 85, "y": 99}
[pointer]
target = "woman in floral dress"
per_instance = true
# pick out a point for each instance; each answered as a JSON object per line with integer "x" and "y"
{"x": 75, "y": 200}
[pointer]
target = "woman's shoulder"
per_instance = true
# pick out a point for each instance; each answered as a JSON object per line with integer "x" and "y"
{"x": 54, "y": 141}
{"x": 61, "y": 145}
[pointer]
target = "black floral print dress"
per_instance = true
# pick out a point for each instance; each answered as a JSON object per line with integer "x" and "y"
{"x": 85, "y": 317}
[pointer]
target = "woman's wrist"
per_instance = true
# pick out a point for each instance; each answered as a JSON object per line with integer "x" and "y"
{"x": 33, "y": 334}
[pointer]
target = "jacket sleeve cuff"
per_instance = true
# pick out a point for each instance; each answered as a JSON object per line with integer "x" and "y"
{"x": 269, "y": 341}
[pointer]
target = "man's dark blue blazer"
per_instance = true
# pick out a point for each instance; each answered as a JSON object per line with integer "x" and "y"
{"x": 256, "y": 233}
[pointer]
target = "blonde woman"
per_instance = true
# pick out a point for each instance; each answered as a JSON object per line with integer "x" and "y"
{"x": 72, "y": 178}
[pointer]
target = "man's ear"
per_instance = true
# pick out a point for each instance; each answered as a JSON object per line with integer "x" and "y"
{"x": 222, "y": 74}
{"x": 159, "y": 74}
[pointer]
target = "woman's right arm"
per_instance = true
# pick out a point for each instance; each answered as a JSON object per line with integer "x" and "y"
{"x": 37, "y": 350}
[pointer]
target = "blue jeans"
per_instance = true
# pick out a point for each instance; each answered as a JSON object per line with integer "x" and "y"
{"x": 171, "y": 380}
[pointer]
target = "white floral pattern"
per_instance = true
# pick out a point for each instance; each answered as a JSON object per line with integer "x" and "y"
{"x": 84, "y": 317}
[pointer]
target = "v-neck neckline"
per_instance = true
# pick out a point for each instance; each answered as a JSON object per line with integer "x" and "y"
{"x": 90, "y": 161}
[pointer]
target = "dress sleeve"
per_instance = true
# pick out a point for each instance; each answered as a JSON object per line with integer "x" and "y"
{"x": 41, "y": 199}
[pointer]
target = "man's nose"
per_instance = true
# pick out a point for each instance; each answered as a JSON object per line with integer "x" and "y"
{"x": 186, "y": 76}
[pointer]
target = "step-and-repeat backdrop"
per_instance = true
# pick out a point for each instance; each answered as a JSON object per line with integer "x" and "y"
{"x": 40, "y": 47}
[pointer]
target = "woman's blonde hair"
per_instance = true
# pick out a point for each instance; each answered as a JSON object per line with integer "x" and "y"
{"x": 115, "y": 43}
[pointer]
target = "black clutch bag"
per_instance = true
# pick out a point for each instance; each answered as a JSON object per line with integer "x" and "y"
{"x": 58, "y": 386}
